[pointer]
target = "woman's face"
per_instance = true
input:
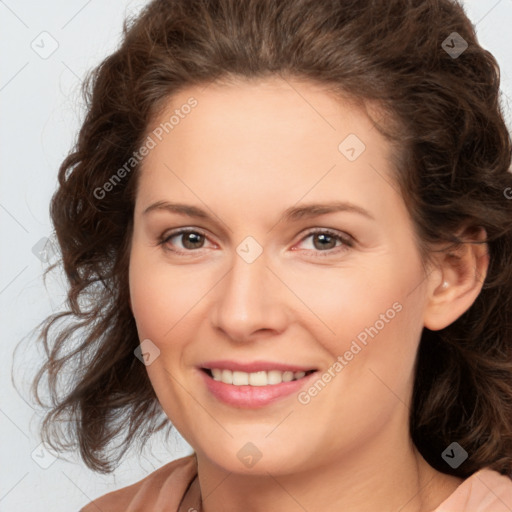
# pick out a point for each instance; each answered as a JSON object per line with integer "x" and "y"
{"x": 264, "y": 278}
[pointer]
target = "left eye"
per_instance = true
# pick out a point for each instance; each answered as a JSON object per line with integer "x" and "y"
{"x": 325, "y": 241}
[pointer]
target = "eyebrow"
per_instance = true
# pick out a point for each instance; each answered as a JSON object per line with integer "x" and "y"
{"x": 294, "y": 213}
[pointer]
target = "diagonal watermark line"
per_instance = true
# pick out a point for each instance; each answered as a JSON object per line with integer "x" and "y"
{"x": 292, "y": 497}
{"x": 310, "y": 189}
{"x": 309, "y": 104}
{"x": 508, "y": 505}
{"x": 70, "y": 70}
{"x": 376, "y": 124}
{"x": 6, "y": 494}
{"x": 389, "y": 388}
{"x": 13, "y": 217}
{"x": 207, "y": 85}
{"x": 206, "y": 206}
{"x": 301, "y": 300}
{"x": 391, "y": 184}
{"x": 198, "y": 301}
{"x": 14, "y": 423}
{"x": 88, "y": 497}
{"x": 198, "y": 403}
{"x": 12, "y": 280}
{"x": 204, "y": 498}
{"x": 19, "y": 19}
{"x": 287, "y": 416}
{"x": 420, "y": 283}
{"x": 14, "y": 76}
{"x": 421, "y": 489}
{"x": 488, "y": 12}
{"x": 76, "y": 14}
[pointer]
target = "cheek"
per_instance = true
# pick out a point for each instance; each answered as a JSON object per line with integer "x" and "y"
{"x": 343, "y": 301}
{"x": 147, "y": 282}
{"x": 164, "y": 299}
{"x": 159, "y": 312}
{"x": 143, "y": 294}
{"x": 151, "y": 296}
{"x": 366, "y": 312}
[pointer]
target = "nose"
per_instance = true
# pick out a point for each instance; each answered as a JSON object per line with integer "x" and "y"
{"x": 250, "y": 301}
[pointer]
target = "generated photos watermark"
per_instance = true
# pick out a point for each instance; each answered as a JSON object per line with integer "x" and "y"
{"x": 149, "y": 143}
{"x": 304, "y": 397}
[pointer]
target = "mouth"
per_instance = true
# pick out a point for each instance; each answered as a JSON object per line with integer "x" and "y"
{"x": 256, "y": 379}
{"x": 257, "y": 388}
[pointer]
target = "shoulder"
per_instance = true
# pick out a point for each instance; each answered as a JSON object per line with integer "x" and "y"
{"x": 484, "y": 491}
{"x": 167, "y": 483}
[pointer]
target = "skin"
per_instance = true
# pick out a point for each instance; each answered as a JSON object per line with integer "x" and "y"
{"x": 247, "y": 152}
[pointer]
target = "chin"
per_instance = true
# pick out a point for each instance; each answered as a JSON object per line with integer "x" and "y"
{"x": 255, "y": 459}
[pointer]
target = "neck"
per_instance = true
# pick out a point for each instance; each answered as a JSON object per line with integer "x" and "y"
{"x": 384, "y": 475}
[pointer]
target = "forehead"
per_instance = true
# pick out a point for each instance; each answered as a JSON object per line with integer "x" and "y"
{"x": 272, "y": 140}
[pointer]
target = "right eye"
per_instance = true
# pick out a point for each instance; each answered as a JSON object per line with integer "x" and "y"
{"x": 191, "y": 240}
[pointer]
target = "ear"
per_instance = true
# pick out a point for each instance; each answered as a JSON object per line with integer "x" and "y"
{"x": 457, "y": 279}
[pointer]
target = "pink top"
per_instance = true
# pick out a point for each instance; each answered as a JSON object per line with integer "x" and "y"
{"x": 175, "y": 488}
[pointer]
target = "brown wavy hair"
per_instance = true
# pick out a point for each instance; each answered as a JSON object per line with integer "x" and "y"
{"x": 451, "y": 161}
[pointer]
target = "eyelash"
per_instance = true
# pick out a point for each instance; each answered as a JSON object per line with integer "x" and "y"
{"x": 346, "y": 240}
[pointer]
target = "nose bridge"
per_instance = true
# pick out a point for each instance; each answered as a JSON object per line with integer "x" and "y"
{"x": 248, "y": 300}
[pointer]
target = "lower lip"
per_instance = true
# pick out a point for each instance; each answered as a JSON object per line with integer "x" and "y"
{"x": 252, "y": 397}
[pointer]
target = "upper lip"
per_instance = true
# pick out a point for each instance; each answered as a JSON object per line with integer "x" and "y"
{"x": 255, "y": 366}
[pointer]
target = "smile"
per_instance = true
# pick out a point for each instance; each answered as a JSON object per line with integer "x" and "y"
{"x": 253, "y": 390}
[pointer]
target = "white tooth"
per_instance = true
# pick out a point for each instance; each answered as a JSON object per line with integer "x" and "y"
{"x": 227, "y": 376}
{"x": 274, "y": 377}
{"x": 287, "y": 376}
{"x": 240, "y": 378}
{"x": 261, "y": 378}
{"x": 258, "y": 378}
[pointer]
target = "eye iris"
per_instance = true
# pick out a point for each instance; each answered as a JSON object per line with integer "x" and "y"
{"x": 192, "y": 240}
{"x": 324, "y": 237}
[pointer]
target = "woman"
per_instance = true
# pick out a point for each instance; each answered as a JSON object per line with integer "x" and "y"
{"x": 291, "y": 226}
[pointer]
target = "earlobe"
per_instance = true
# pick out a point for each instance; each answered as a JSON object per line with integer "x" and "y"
{"x": 457, "y": 282}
